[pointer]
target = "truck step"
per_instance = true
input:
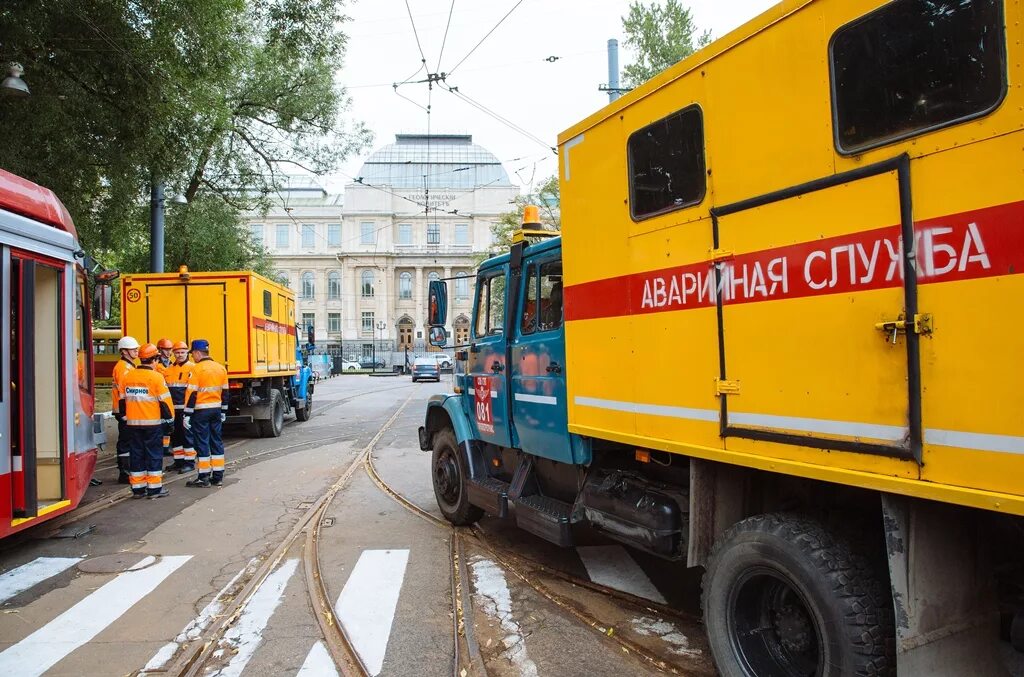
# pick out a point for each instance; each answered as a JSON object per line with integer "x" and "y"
{"x": 546, "y": 517}
{"x": 490, "y": 494}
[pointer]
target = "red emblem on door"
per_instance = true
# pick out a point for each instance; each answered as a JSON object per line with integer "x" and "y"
{"x": 484, "y": 410}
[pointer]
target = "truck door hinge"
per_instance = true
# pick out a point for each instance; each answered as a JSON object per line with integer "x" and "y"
{"x": 726, "y": 387}
{"x": 719, "y": 255}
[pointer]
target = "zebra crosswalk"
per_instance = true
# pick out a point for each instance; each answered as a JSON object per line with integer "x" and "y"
{"x": 366, "y": 609}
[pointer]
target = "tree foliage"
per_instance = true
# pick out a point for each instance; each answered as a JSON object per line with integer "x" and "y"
{"x": 213, "y": 97}
{"x": 545, "y": 196}
{"x": 660, "y": 36}
{"x": 206, "y": 234}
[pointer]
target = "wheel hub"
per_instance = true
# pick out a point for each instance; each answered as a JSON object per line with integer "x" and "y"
{"x": 793, "y": 628}
{"x": 446, "y": 475}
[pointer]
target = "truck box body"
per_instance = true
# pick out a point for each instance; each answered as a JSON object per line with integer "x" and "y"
{"x": 749, "y": 324}
{"x": 248, "y": 319}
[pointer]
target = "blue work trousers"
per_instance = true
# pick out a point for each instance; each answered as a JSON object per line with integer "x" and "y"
{"x": 206, "y": 434}
{"x": 147, "y": 459}
{"x": 124, "y": 446}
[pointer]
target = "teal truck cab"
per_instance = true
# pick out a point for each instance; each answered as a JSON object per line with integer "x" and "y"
{"x": 501, "y": 443}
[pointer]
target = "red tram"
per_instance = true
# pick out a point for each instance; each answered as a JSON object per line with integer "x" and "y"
{"x": 48, "y": 432}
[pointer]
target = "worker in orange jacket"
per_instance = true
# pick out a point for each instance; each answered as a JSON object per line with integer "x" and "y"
{"x": 206, "y": 408}
{"x": 163, "y": 362}
{"x": 177, "y": 376}
{"x": 148, "y": 413}
{"x": 129, "y": 349}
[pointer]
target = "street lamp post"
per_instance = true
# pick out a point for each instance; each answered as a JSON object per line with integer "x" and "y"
{"x": 381, "y": 326}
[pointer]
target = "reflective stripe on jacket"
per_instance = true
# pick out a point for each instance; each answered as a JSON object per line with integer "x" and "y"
{"x": 207, "y": 387}
{"x": 177, "y": 376}
{"x": 145, "y": 399}
{"x": 121, "y": 369}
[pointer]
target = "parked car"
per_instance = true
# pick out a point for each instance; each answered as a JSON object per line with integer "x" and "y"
{"x": 444, "y": 360}
{"x": 425, "y": 368}
{"x": 349, "y": 365}
{"x": 370, "y": 364}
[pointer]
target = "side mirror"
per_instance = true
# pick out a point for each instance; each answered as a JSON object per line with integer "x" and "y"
{"x": 438, "y": 337}
{"x": 102, "y": 296}
{"x": 437, "y": 312}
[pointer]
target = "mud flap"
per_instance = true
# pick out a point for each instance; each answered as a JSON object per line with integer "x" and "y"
{"x": 947, "y": 618}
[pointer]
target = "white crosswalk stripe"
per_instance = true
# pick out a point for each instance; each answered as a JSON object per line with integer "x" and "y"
{"x": 366, "y": 607}
{"x": 612, "y": 566}
{"x": 318, "y": 663}
{"x": 50, "y": 644}
{"x": 245, "y": 636}
{"x": 195, "y": 628}
{"x": 17, "y": 581}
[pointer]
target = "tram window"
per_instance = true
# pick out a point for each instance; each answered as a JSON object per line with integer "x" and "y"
{"x": 666, "y": 164}
{"x": 914, "y": 66}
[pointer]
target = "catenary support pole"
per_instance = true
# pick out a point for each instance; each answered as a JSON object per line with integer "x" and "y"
{"x": 156, "y": 227}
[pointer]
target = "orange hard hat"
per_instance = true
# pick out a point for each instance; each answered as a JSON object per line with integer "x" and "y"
{"x": 164, "y": 344}
{"x": 180, "y": 345}
{"x": 147, "y": 351}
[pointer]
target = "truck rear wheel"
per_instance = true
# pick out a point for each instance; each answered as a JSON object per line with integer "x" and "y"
{"x": 450, "y": 476}
{"x": 273, "y": 426}
{"x": 784, "y": 595}
{"x": 307, "y": 409}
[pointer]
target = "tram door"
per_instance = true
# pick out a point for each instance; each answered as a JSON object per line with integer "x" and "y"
{"x": 36, "y": 373}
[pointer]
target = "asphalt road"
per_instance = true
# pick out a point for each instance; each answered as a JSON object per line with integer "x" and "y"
{"x": 138, "y": 585}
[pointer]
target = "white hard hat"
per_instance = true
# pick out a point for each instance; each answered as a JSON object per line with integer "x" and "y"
{"x": 127, "y": 343}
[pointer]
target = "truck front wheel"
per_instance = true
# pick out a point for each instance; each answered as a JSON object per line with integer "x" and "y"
{"x": 450, "y": 476}
{"x": 785, "y": 595}
{"x": 307, "y": 409}
{"x": 273, "y": 426}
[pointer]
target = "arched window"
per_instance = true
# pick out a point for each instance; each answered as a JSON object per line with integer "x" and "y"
{"x": 405, "y": 286}
{"x": 334, "y": 285}
{"x": 462, "y": 287}
{"x": 367, "y": 279}
{"x": 433, "y": 276}
{"x": 308, "y": 285}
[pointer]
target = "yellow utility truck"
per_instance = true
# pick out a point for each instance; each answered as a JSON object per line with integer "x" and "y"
{"x": 791, "y": 267}
{"x": 249, "y": 321}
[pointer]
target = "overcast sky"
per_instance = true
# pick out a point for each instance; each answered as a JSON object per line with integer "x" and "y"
{"x": 508, "y": 73}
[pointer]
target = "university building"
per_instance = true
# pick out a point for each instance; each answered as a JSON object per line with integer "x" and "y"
{"x": 421, "y": 209}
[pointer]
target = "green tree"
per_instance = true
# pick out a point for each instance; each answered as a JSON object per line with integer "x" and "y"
{"x": 214, "y": 97}
{"x": 206, "y": 234}
{"x": 660, "y": 36}
{"x": 545, "y": 197}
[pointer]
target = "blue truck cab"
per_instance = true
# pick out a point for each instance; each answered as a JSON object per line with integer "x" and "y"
{"x": 303, "y": 384}
{"x": 501, "y": 443}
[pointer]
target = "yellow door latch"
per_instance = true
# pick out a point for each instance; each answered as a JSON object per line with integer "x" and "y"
{"x": 726, "y": 387}
{"x": 922, "y": 324}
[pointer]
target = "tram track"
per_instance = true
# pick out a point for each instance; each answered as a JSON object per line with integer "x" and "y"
{"x": 527, "y": 571}
{"x": 200, "y": 653}
{"x": 101, "y": 504}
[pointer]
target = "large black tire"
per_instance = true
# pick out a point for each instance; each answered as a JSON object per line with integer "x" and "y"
{"x": 785, "y": 595}
{"x": 273, "y": 426}
{"x": 448, "y": 468}
{"x": 307, "y": 409}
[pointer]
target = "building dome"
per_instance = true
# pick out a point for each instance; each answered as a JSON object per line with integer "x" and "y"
{"x": 435, "y": 161}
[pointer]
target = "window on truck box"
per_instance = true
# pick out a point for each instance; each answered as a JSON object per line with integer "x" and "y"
{"x": 914, "y": 66}
{"x": 666, "y": 164}
{"x": 490, "y": 305}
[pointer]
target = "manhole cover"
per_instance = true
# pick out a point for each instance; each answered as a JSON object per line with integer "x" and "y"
{"x": 112, "y": 564}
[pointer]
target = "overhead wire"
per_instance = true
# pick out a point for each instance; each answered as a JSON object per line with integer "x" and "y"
{"x": 477, "y": 45}
{"x": 444, "y": 40}
{"x": 503, "y": 120}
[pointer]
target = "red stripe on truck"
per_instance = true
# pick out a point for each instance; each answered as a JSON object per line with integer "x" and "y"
{"x": 982, "y": 243}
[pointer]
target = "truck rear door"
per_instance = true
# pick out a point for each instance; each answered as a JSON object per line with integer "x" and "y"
{"x": 486, "y": 367}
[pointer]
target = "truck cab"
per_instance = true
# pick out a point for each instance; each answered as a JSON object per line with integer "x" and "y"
{"x": 501, "y": 442}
